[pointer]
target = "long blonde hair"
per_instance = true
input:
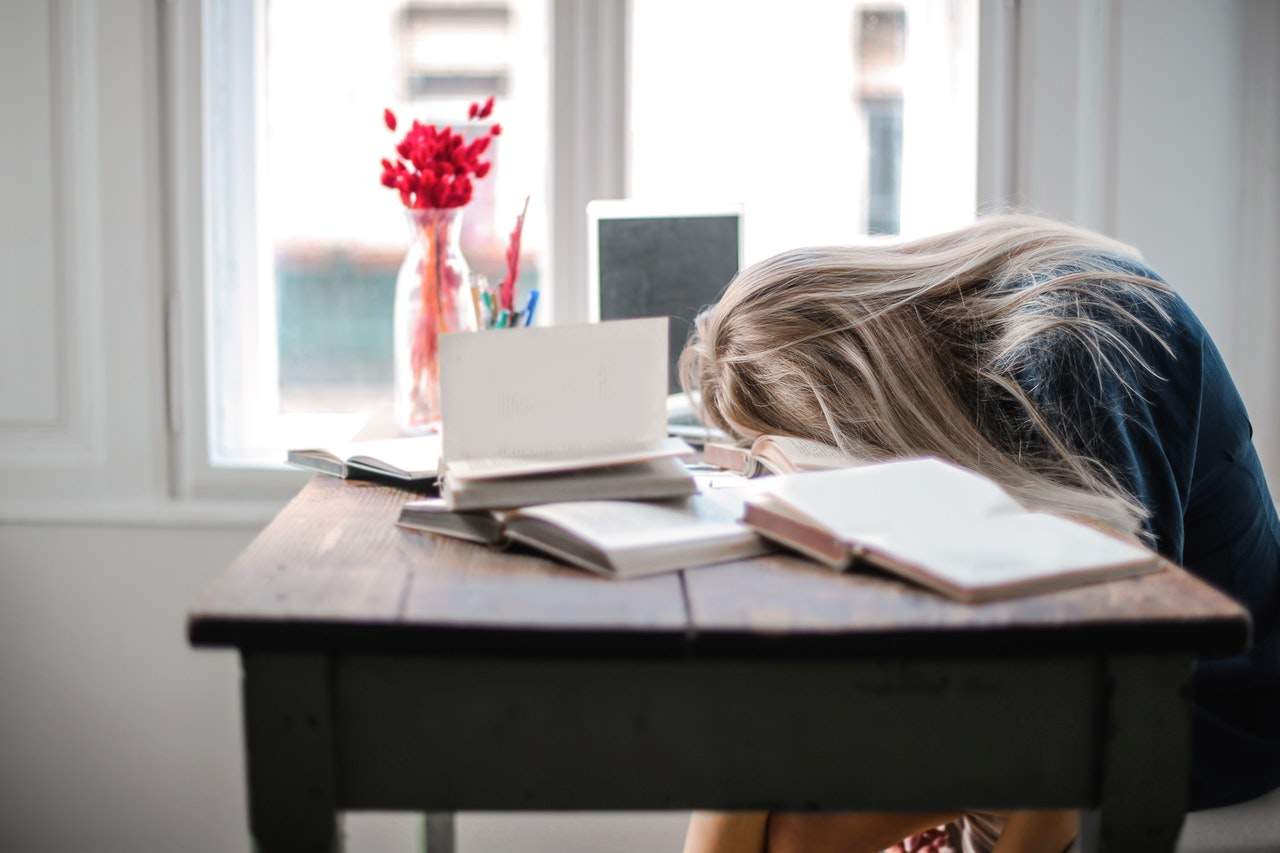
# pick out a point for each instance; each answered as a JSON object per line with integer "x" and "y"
{"x": 890, "y": 351}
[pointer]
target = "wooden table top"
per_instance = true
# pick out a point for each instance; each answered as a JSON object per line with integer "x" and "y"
{"x": 334, "y": 572}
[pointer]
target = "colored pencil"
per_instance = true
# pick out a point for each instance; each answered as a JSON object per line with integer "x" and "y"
{"x": 530, "y": 307}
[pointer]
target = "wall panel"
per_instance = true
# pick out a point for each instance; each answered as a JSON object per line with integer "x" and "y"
{"x": 81, "y": 321}
{"x": 30, "y": 328}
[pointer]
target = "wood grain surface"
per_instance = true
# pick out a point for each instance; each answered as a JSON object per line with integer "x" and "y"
{"x": 782, "y": 598}
{"x": 334, "y": 571}
{"x": 333, "y": 565}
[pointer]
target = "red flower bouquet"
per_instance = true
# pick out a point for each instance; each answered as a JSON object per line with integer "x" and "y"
{"x": 436, "y": 168}
{"x": 434, "y": 173}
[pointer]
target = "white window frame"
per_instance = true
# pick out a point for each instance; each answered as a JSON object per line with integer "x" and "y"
{"x": 588, "y": 89}
{"x": 587, "y": 149}
{"x": 129, "y": 260}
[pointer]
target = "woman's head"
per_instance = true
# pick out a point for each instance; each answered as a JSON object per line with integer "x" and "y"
{"x": 890, "y": 351}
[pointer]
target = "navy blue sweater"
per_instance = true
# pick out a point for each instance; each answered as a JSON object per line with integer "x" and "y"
{"x": 1183, "y": 445}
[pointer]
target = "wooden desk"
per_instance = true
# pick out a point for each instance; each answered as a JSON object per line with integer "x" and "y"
{"x": 387, "y": 669}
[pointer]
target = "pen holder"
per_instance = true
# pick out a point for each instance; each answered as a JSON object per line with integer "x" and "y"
{"x": 433, "y": 297}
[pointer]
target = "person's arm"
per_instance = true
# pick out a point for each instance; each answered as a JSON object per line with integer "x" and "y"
{"x": 726, "y": 832}
{"x": 1038, "y": 832}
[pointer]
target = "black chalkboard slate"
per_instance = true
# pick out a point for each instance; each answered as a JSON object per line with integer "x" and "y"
{"x": 670, "y": 265}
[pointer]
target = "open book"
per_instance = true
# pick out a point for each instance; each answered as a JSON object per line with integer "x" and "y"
{"x": 410, "y": 460}
{"x": 618, "y": 538}
{"x": 537, "y": 415}
{"x": 941, "y": 526}
{"x": 777, "y": 454}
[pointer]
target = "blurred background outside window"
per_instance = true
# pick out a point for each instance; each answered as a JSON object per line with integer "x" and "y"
{"x": 830, "y": 121}
{"x": 823, "y": 118}
{"x": 337, "y": 237}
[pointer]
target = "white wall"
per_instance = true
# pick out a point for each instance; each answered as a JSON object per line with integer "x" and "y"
{"x": 116, "y": 736}
{"x": 1198, "y": 176}
{"x": 1158, "y": 122}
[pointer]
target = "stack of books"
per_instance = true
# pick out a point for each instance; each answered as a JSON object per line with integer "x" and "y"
{"x": 556, "y": 439}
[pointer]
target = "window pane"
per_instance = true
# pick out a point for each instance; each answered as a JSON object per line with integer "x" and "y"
{"x": 828, "y": 120}
{"x": 332, "y": 237}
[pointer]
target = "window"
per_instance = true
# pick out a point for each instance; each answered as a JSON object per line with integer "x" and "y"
{"x": 880, "y": 50}
{"x": 304, "y": 242}
{"x": 830, "y": 121}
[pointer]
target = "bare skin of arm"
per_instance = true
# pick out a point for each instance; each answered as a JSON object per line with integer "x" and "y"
{"x": 861, "y": 832}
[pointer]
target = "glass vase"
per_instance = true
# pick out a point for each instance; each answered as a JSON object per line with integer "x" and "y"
{"x": 432, "y": 299}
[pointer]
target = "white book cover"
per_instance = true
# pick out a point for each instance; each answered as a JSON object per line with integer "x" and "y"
{"x": 556, "y": 398}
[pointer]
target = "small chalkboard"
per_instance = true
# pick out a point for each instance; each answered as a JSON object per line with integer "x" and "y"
{"x": 647, "y": 263}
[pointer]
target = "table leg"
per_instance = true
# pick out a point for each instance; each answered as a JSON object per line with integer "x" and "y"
{"x": 289, "y": 748}
{"x": 439, "y": 832}
{"x": 1146, "y": 757}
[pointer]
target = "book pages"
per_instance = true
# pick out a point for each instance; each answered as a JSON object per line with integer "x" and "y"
{"x": 415, "y": 456}
{"x": 1009, "y": 551}
{"x": 627, "y": 525}
{"x": 493, "y": 468}
{"x": 651, "y": 479}
{"x": 920, "y": 495}
{"x": 560, "y": 391}
{"x": 784, "y": 454}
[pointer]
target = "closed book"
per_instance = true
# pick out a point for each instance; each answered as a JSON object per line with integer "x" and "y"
{"x": 657, "y": 478}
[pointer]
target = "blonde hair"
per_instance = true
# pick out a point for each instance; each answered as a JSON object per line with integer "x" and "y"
{"x": 891, "y": 351}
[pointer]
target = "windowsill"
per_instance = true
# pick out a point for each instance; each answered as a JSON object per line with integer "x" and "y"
{"x": 233, "y": 514}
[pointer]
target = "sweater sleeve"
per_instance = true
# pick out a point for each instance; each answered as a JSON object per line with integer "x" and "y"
{"x": 1179, "y": 438}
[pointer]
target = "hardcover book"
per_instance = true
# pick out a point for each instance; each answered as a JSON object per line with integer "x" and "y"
{"x": 542, "y": 415}
{"x": 617, "y": 538}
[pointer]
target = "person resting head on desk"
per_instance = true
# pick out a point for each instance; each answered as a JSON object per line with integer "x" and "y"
{"x": 1054, "y": 361}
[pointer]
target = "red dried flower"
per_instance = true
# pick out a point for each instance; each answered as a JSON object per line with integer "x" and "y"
{"x": 390, "y": 119}
{"x": 507, "y": 289}
{"x": 437, "y": 167}
{"x": 496, "y": 130}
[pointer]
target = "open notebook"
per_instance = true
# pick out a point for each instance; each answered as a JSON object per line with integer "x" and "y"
{"x": 777, "y": 454}
{"x": 617, "y": 538}
{"x": 941, "y": 526}
{"x": 410, "y": 460}
{"x": 537, "y": 415}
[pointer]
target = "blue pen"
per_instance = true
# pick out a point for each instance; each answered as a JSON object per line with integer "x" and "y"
{"x": 530, "y": 307}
